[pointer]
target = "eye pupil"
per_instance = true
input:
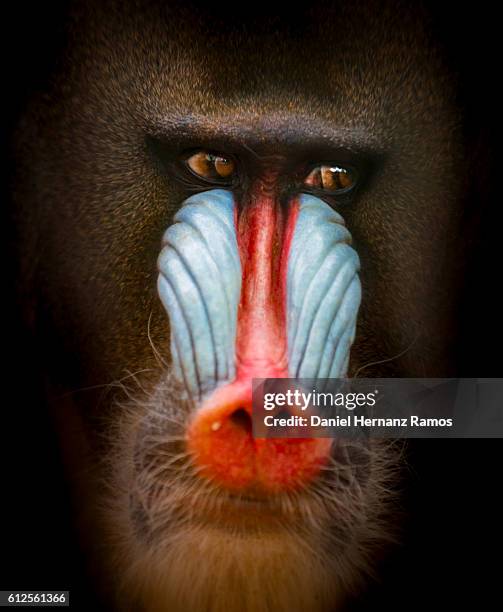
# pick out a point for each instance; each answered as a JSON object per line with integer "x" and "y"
{"x": 211, "y": 166}
{"x": 224, "y": 166}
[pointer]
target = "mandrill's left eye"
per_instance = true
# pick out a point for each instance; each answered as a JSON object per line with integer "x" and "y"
{"x": 331, "y": 178}
{"x": 211, "y": 166}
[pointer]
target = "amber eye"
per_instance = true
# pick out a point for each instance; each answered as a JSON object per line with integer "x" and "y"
{"x": 331, "y": 178}
{"x": 211, "y": 166}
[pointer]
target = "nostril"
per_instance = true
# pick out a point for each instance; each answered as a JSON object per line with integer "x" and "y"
{"x": 242, "y": 419}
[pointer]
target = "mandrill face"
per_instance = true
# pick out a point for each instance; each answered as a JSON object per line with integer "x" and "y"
{"x": 205, "y": 199}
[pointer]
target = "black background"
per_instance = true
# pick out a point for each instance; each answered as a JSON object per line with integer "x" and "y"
{"x": 450, "y": 556}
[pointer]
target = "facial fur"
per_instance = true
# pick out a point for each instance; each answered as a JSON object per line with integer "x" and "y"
{"x": 177, "y": 542}
{"x": 139, "y": 86}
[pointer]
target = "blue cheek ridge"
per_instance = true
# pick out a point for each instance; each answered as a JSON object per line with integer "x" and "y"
{"x": 199, "y": 285}
{"x": 323, "y": 292}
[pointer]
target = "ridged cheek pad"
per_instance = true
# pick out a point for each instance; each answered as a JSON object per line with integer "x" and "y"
{"x": 323, "y": 292}
{"x": 200, "y": 284}
{"x": 200, "y": 279}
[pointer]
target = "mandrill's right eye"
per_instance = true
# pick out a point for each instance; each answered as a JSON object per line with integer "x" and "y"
{"x": 212, "y": 166}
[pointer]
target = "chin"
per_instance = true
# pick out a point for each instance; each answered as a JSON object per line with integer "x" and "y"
{"x": 176, "y": 540}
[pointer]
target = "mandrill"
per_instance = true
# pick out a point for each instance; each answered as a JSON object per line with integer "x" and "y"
{"x": 204, "y": 198}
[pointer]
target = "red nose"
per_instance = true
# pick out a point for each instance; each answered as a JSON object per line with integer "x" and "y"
{"x": 220, "y": 436}
{"x": 221, "y": 443}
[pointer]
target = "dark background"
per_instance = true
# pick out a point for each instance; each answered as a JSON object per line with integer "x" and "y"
{"x": 451, "y": 550}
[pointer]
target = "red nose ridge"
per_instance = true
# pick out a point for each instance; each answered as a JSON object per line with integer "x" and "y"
{"x": 220, "y": 437}
{"x": 223, "y": 448}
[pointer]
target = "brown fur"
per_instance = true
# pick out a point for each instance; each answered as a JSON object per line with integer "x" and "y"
{"x": 138, "y": 84}
{"x": 170, "y": 537}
